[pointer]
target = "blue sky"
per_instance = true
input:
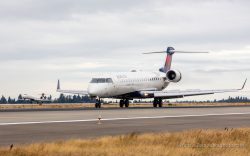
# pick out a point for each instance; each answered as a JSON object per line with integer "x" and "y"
{"x": 41, "y": 41}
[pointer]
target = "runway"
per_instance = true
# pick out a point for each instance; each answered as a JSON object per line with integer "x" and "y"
{"x": 36, "y": 126}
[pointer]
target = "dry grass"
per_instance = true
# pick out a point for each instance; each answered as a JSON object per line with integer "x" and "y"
{"x": 114, "y": 105}
{"x": 197, "y": 142}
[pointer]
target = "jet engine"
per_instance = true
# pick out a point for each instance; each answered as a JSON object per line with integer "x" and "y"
{"x": 173, "y": 76}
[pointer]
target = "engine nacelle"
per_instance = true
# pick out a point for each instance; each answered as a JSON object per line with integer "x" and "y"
{"x": 173, "y": 76}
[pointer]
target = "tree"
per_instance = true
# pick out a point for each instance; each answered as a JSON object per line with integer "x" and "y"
{"x": 20, "y": 96}
{"x": 62, "y": 99}
{"x": 11, "y": 101}
{"x": 3, "y": 100}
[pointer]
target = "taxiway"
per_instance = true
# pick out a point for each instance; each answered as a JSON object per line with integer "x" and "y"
{"x": 36, "y": 126}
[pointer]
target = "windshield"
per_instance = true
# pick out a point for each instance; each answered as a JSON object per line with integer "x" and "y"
{"x": 101, "y": 80}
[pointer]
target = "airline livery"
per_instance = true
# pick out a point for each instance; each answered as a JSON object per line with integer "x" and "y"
{"x": 139, "y": 85}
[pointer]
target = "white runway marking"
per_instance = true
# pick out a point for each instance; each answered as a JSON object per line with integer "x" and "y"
{"x": 113, "y": 119}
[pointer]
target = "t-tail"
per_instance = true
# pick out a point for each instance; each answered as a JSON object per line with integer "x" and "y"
{"x": 170, "y": 51}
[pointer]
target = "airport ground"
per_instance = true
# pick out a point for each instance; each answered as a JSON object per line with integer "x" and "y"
{"x": 56, "y": 106}
{"x": 225, "y": 142}
{"x": 24, "y": 127}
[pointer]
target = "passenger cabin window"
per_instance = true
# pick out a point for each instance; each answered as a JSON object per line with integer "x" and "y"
{"x": 101, "y": 80}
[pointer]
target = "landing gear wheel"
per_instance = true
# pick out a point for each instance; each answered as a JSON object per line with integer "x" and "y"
{"x": 98, "y": 103}
{"x": 154, "y": 104}
{"x": 160, "y": 103}
{"x": 127, "y": 103}
{"x": 121, "y": 103}
{"x": 157, "y": 102}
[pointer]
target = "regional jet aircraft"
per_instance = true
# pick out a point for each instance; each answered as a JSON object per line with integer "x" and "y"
{"x": 138, "y": 85}
{"x": 33, "y": 99}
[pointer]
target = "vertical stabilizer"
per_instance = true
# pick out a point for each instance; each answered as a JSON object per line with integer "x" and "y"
{"x": 168, "y": 60}
{"x": 58, "y": 85}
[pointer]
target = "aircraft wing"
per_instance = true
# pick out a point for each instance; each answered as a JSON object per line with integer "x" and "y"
{"x": 33, "y": 99}
{"x": 80, "y": 92}
{"x": 44, "y": 100}
{"x": 183, "y": 93}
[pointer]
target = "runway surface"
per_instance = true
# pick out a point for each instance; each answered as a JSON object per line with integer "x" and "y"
{"x": 36, "y": 126}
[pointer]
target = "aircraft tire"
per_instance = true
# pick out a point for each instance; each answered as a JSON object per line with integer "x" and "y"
{"x": 98, "y": 105}
{"x": 155, "y": 103}
{"x": 126, "y": 103}
{"x": 160, "y": 102}
{"x": 121, "y": 103}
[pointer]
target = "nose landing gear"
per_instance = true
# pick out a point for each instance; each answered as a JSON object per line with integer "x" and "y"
{"x": 98, "y": 103}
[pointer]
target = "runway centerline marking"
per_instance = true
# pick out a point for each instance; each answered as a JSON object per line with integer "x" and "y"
{"x": 114, "y": 119}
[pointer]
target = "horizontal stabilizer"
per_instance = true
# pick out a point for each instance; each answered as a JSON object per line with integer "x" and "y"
{"x": 189, "y": 52}
{"x": 171, "y": 50}
{"x": 177, "y": 51}
{"x": 156, "y": 52}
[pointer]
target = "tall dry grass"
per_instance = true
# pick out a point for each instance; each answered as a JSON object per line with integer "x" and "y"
{"x": 196, "y": 142}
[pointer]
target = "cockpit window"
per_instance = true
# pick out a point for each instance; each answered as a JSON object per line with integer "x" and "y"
{"x": 101, "y": 80}
{"x": 109, "y": 80}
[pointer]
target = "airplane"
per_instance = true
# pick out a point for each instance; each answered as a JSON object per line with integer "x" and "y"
{"x": 141, "y": 85}
{"x": 32, "y": 99}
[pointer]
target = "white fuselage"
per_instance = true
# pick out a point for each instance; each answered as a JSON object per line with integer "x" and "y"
{"x": 114, "y": 85}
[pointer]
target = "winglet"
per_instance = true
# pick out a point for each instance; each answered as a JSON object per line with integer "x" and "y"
{"x": 58, "y": 85}
{"x": 244, "y": 84}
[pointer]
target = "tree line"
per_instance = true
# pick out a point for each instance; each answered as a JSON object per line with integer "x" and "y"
{"x": 85, "y": 99}
{"x": 61, "y": 99}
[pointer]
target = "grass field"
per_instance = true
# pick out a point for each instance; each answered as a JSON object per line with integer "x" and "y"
{"x": 115, "y": 105}
{"x": 228, "y": 142}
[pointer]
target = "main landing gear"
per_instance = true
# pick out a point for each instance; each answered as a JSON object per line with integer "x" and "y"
{"x": 98, "y": 103}
{"x": 157, "y": 101}
{"x": 124, "y": 102}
